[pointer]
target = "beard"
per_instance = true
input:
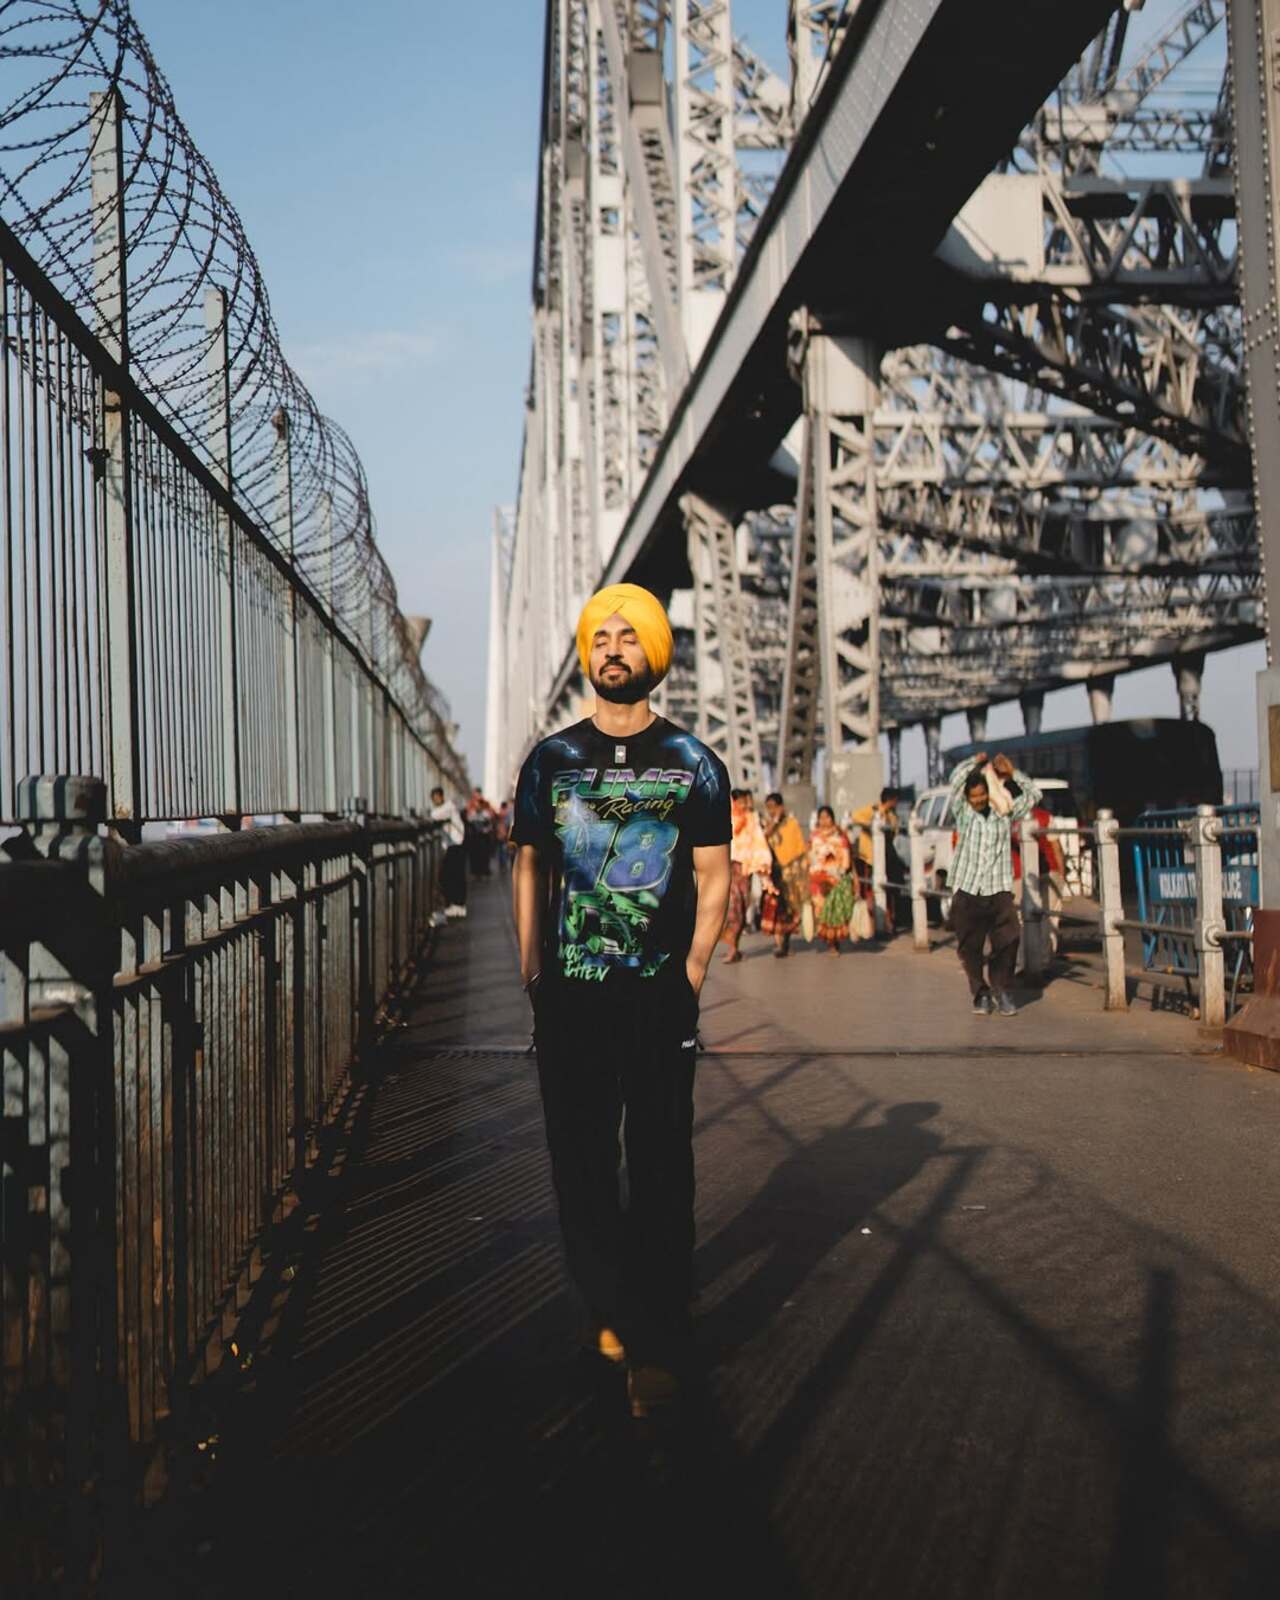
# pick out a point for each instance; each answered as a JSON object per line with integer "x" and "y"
{"x": 627, "y": 690}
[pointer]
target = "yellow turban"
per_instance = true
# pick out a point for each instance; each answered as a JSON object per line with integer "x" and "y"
{"x": 645, "y": 614}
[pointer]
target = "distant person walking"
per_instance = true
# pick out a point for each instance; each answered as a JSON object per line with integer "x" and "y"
{"x": 479, "y": 820}
{"x": 830, "y": 880}
{"x": 790, "y": 876}
{"x": 453, "y": 866}
{"x": 620, "y": 883}
{"x": 749, "y": 858}
{"x": 981, "y": 878}
{"x": 502, "y": 834}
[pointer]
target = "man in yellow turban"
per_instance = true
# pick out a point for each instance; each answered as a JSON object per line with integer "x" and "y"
{"x": 621, "y": 881}
{"x": 645, "y": 621}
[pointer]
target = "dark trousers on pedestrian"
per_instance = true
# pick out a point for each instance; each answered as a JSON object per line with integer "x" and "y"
{"x": 613, "y": 1056}
{"x": 480, "y": 849}
{"x": 977, "y": 919}
{"x": 453, "y": 875}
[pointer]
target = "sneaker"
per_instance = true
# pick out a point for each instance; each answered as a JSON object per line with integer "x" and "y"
{"x": 982, "y": 1004}
{"x": 1005, "y": 1007}
{"x": 650, "y": 1390}
{"x": 438, "y": 919}
{"x": 609, "y": 1347}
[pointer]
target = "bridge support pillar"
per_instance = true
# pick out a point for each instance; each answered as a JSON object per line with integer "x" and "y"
{"x": 933, "y": 749}
{"x": 726, "y": 696}
{"x": 1101, "y": 695}
{"x": 1188, "y": 672}
{"x": 834, "y": 638}
{"x": 895, "y": 758}
{"x": 977, "y": 716}
{"x": 1032, "y": 704}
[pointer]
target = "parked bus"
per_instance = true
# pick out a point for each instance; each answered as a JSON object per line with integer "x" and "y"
{"x": 1127, "y": 766}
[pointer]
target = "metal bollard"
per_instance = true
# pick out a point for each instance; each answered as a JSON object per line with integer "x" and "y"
{"x": 919, "y": 905}
{"x": 1112, "y": 909}
{"x": 1035, "y": 930}
{"x": 1206, "y": 849}
{"x": 879, "y": 877}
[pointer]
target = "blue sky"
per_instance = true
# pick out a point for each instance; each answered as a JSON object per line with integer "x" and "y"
{"x": 384, "y": 159}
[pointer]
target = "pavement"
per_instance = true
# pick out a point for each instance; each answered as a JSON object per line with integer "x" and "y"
{"x": 987, "y": 1308}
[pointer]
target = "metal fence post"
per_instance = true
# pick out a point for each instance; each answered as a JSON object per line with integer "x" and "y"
{"x": 59, "y": 1241}
{"x": 292, "y": 708}
{"x": 1111, "y": 909}
{"x": 217, "y": 369}
{"x": 879, "y": 877}
{"x": 115, "y": 465}
{"x": 1035, "y": 955}
{"x": 1206, "y": 848}
{"x": 333, "y": 787}
{"x": 919, "y": 905}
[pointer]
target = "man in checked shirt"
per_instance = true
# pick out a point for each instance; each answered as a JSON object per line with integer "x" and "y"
{"x": 981, "y": 879}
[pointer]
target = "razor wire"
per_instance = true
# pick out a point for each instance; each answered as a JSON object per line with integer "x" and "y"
{"x": 183, "y": 237}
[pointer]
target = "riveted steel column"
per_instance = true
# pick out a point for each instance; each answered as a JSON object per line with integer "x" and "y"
{"x": 218, "y": 375}
{"x": 119, "y": 626}
{"x": 895, "y": 758}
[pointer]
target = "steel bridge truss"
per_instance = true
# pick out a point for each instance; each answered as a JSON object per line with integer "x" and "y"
{"x": 1052, "y": 485}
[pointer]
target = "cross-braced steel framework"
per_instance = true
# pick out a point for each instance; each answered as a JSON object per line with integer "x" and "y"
{"x": 1037, "y": 474}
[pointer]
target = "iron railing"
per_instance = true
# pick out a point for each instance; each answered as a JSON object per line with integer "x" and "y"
{"x": 177, "y": 1021}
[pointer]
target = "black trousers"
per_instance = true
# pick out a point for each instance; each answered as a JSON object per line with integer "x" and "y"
{"x": 453, "y": 875}
{"x": 611, "y": 1057}
{"x": 976, "y": 919}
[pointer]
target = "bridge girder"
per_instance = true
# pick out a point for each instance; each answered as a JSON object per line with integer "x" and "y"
{"x": 1104, "y": 450}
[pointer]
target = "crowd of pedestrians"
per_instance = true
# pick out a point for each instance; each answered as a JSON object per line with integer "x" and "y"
{"x": 818, "y": 884}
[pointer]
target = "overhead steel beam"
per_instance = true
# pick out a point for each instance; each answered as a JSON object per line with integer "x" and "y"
{"x": 866, "y": 148}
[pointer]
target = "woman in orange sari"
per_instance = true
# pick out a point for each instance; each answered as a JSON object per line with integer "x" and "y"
{"x": 830, "y": 859}
{"x": 786, "y": 840}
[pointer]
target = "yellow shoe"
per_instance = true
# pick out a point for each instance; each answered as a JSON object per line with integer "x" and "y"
{"x": 650, "y": 1390}
{"x": 609, "y": 1346}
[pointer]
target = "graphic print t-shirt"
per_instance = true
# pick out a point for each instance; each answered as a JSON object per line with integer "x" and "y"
{"x": 617, "y": 820}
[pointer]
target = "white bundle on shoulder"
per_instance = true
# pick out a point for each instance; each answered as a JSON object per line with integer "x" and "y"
{"x": 1001, "y": 799}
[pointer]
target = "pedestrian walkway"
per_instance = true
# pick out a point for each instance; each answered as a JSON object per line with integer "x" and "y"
{"x": 988, "y": 1308}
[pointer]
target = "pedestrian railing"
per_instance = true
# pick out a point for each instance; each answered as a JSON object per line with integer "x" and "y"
{"x": 1196, "y": 885}
{"x": 1189, "y": 929}
{"x": 177, "y": 1022}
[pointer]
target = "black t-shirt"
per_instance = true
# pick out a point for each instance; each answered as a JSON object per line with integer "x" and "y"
{"x": 617, "y": 821}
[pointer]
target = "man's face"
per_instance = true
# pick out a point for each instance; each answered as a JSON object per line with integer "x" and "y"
{"x": 437, "y": 797}
{"x": 618, "y": 668}
{"x": 978, "y": 797}
{"x": 772, "y": 810}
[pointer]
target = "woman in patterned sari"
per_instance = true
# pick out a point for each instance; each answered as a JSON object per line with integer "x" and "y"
{"x": 748, "y": 857}
{"x": 830, "y": 859}
{"x": 791, "y": 880}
